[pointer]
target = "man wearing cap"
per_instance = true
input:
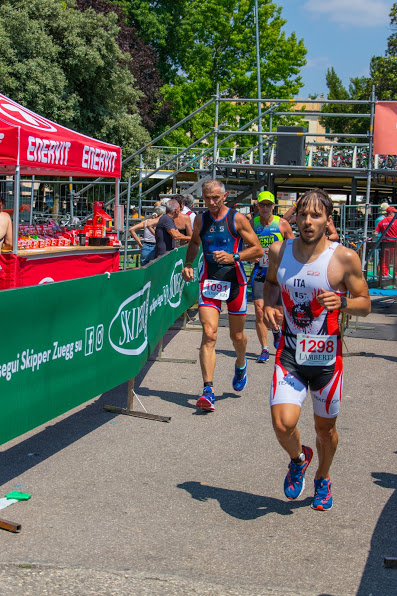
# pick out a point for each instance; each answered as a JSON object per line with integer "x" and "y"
{"x": 382, "y": 214}
{"x": 268, "y": 228}
{"x": 390, "y": 236}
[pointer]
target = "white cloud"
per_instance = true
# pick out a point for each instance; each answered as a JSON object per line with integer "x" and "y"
{"x": 318, "y": 61}
{"x": 360, "y": 13}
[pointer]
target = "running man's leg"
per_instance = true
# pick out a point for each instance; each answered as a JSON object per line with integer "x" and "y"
{"x": 287, "y": 396}
{"x": 261, "y": 329}
{"x": 209, "y": 318}
{"x": 326, "y": 443}
{"x": 238, "y": 337}
{"x": 285, "y": 419}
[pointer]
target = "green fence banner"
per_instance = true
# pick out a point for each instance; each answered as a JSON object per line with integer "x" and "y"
{"x": 82, "y": 337}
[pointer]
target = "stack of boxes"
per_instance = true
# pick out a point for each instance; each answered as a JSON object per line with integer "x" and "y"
{"x": 98, "y": 231}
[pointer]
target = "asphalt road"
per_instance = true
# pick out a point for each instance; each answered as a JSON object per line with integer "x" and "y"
{"x": 122, "y": 505}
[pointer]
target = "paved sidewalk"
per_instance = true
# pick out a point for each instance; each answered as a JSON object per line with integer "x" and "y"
{"x": 123, "y": 505}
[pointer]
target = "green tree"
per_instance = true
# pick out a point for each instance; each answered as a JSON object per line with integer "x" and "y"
{"x": 66, "y": 65}
{"x": 359, "y": 88}
{"x": 143, "y": 64}
{"x": 383, "y": 69}
{"x": 202, "y": 43}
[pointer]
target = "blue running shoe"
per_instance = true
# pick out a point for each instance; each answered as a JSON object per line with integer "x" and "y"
{"x": 294, "y": 482}
{"x": 263, "y": 356}
{"x": 240, "y": 377}
{"x": 322, "y": 494}
{"x": 207, "y": 400}
{"x": 276, "y": 338}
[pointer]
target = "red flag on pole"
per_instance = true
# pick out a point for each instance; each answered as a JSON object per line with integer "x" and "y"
{"x": 385, "y": 128}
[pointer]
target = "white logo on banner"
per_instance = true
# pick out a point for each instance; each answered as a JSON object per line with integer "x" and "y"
{"x": 19, "y": 114}
{"x": 130, "y": 324}
{"x": 173, "y": 292}
{"x": 1, "y": 136}
{"x": 89, "y": 341}
{"x": 100, "y": 332}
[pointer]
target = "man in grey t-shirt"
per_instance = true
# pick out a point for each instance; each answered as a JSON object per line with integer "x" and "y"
{"x": 166, "y": 231}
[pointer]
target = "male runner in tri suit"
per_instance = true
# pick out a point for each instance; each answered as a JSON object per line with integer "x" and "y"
{"x": 222, "y": 232}
{"x": 314, "y": 275}
{"x": 269, "y": 228}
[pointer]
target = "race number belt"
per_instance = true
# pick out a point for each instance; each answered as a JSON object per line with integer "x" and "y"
{"x": 264, "y": 261}
{"x": 315, "y": 350}
{"x": 220, "y": 290}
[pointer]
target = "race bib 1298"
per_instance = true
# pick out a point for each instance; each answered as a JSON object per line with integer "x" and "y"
{"x": 315, "y": 350}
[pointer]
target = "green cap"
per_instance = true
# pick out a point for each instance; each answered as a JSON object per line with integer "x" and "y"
{"x": 265, "y": 196}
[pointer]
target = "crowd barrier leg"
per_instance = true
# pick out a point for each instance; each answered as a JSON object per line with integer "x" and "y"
{"x": 343, "y": 327}
{"x": 159, "y": 357}
{"x": 129, "y": 411}
{"x": 185, "y": 326}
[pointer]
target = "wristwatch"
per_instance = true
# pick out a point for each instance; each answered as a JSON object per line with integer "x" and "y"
{"x": 343, "y": 302}
{"x": 236, "y": 256}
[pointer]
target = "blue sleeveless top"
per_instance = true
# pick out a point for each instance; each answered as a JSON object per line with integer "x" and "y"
{"x": 221, "y": 235}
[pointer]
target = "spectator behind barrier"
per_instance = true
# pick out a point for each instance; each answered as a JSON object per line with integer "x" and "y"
{"x": 166, "y": 231}
{"x": 183, "y": 222}
{"x": 5, "y": 228}
{"x": 189, "y": 207}
{"x": 148, "y": 244}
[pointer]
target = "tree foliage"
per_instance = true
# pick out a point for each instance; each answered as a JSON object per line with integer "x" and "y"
{"x": 66, "y": 65}
{"x": 202, "y": 43}
{"x": 143, "y": 64}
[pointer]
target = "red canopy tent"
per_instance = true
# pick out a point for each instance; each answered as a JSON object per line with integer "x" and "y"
{"x": 33, "y": 145}
{"x": 40, "y": 146}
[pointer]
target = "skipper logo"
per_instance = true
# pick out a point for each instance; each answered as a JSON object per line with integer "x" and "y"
{"x": 128, "y": 328}
{"x": 200, "y": 261}
{"x": 173, "y": 291}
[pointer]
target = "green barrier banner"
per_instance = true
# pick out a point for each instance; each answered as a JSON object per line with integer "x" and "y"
{"x": 82, "y": 337}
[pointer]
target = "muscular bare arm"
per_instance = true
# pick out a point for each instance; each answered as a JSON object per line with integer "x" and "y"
{"x": 285, "y": 229}
{"x": 6, "y": 224}
{"x": 332, "y": 232}
{"x": 192, "y": 249}
{"x": 347, "y": 274}
{"x": 133, "y": 231}
{"x": 176, "y": 235}
{"x": 290, "y": 215}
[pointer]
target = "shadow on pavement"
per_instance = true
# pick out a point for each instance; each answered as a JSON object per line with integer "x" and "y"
{"x": 376, "y": 578}
{"x": 54, "y": 437}
{"x": 240, "y": 504}
{"x": 19, "y": 458}
{"x": 383, "y": 357}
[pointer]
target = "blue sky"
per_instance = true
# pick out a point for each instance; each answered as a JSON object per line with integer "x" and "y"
{"x": 344, "y": 34}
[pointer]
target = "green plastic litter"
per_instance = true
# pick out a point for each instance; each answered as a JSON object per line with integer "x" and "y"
{"x": 15, "y": 494}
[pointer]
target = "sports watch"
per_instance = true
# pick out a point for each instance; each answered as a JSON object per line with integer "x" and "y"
{"x": 236, "y": 256}
{"x": 343, "y": 302}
